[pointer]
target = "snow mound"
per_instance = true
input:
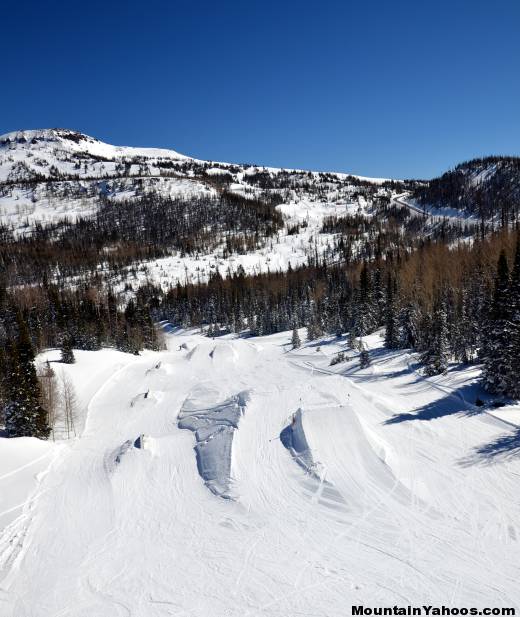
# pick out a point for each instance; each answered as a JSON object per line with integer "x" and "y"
{"x": 294, "y": 439}
{"x": 214, "y": 426}
{"x": 224, "y": 352}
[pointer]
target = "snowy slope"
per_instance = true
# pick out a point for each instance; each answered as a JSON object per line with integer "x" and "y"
{"x": 50, "y": 175}
{"x": 434, "y": 215}
{"x": 406, "y": 494}
{"x": 81, "y": 169}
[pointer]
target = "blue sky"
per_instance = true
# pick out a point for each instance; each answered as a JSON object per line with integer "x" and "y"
{"x": 393, "y": 89}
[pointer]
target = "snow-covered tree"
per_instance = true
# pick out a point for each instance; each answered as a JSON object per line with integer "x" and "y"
{"x": 314, "y": 327}
{"x": 67, "y": 353}
{"x": 408, "y": 324}
{"x": 24, "y": 415}
{"x": 513, "y": 378}
{"x": 364, "y": 358}
{"x": 496, "y": 350}
{"x": 391, "y": 317}
{"x": 436, "y": 356}
{"x": 295, "y": 339}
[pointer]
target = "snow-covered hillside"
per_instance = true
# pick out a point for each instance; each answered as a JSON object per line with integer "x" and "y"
{"x": 485, "y": 188}
{"x": 270, "y": 483}
{"x": 47, "y": 176}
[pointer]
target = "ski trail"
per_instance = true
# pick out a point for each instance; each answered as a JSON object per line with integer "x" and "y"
{"x": 365, "y": 513}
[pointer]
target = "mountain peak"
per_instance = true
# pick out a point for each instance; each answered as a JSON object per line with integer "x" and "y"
{"x": 28, "y": 135}
{"x": 75, "y": 141}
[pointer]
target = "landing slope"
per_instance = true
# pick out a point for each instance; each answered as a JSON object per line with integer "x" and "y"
{"x": 403, "y": 496}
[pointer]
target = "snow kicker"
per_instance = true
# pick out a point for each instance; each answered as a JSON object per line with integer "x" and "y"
{"x": 214, "y": 426}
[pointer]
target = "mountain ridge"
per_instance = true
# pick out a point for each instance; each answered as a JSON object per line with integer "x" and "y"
{"x": 71, "y": 135}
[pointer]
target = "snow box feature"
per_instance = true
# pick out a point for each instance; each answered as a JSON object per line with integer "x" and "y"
{"x": 214, "y": 426}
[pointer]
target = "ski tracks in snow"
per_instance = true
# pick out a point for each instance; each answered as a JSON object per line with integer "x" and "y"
{"x": 355, "y": 511}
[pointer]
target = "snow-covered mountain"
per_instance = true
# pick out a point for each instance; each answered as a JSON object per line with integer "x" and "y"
{"x": 202, "y": 460}
{"x": 55, "y": 175}
{"x": 51, "y": 173}
{"x": 485, "y": 188}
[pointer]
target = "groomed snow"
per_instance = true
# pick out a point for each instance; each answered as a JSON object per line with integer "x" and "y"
{"x": 415, "y": 500}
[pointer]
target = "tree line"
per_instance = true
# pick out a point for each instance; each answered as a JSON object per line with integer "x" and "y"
{"x": 447, "y": 302}
{"x": 39, "y": 317}
{"x": 486, "y": 187}
{"x": 129, "y": 231}
{"x": 442, "y": 297}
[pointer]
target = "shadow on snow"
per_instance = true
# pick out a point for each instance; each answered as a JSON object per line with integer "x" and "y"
{"x": 449, "y": 405}
{"x": 502, "y": 448}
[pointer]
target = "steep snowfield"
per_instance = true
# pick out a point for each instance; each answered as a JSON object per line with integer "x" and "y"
{"x": 373, "y": 487}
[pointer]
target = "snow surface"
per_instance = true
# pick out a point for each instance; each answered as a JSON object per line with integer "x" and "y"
{"x": 408, "y": 495}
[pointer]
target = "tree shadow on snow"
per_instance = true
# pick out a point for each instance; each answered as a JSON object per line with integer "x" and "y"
{"x": 352, "y": 373}
{"x": 502, "y": 448}
{"x": 449, "y": 405}
{"x": 378, "y": 358}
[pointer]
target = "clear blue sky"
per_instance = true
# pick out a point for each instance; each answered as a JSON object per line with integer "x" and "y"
{"x": 398, "y": 89}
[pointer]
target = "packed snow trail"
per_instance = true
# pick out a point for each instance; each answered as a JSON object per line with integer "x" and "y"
{"x": 396, "y": 505}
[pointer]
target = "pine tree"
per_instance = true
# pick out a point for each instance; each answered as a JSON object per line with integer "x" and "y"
{"x": 364, "y": 358}
{"x": 436, "y": 356}
{"x": 391, "y": 318}
{"x": 295, "y": 340}
{"x": 408, "y": 322}
{"x": 364, "y": 321}
{"x": 496, "y": 349}
{"x": 24, "y": 415}
{"x": 67, "y": 353}
{"x": 314, "y": 327}
{"x": 513, "y": 379}
{"x": 3, "y": 383}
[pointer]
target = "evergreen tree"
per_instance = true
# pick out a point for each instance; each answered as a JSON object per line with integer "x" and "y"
{"x": 67, "y": 353}
{"x": 3, "y": 383}
{"x": 24, "y": 415}
{"x": 408, "y": 323}
{"x": 295, "y": 340}
{"x": 364, "y": 321}
{"x": 391, "y": 317}
{"x": 513, "y": 379}
{"x": 364, "y": 358}
{"x": 314, "y": 327}
{"x": 496, "y": 350}
{"x": 436, "y": 356}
